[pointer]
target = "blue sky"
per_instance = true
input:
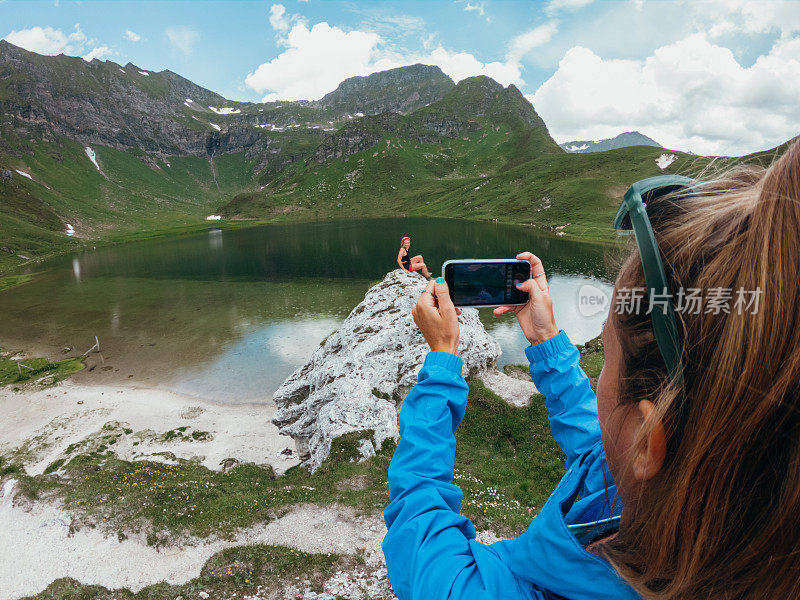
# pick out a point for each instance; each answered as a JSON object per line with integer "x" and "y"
{"x": 712, "y": 76}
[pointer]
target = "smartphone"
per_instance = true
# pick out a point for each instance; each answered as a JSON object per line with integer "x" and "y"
{"x": 486, "y": 282}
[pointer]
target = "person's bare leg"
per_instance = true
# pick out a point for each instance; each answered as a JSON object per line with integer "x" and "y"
{"x": 419, "y": 265}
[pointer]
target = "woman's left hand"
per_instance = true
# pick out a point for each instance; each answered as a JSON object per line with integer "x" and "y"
{"x": 437, "y": 318}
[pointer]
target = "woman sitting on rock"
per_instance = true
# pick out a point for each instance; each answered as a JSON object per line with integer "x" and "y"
{"x": 683, "y": 471}
{"x": 411, "y": 263}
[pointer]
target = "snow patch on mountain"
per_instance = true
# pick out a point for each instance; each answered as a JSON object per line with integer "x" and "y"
{"x": 146, "y": 74}
{"x": 90, "y": 154}
{"x": 24, "y": 174}
{"x": 215, "y": 126}
{"x": 665, "y": 160}
{"x": 225, "y": 110}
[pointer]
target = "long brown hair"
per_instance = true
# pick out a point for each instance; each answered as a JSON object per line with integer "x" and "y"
{"x": 721, "y": 519}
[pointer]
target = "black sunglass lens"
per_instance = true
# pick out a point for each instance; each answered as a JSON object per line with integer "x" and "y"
{"x": 659, "y": 211}
{"x": 625, "y": 224}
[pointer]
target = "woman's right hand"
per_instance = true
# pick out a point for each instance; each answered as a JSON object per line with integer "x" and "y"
{"x": 536, "y": 317}
{"x": 437, "y": 317}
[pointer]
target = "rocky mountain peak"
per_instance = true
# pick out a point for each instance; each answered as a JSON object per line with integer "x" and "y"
{"x": 396, "y": 90}
{"x": 623, "y": 140}
{"x": 482, "y": 96}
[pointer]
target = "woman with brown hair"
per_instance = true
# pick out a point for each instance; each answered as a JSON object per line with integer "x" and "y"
{"x": 683, "y": 472}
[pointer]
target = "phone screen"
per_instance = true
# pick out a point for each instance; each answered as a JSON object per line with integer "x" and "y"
{"x": 487, "y": 283}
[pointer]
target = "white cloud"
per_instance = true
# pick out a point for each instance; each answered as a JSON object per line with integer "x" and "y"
{"x": 746, "y": 16}
{"x": 46, "y": 40}
{"x": 533, "y": 38}
{"x": 555, "y": 6}
{"x": 314, "y": 63}
{"x": 688, "y": 95}
{"x": 182, "y": 39}
{"x": 478, "y": 7}
{"x": 460, "y": 65}
{"x": 394, "y": 24}
{"x": 97, "y": 52}
{"x": 318, "y": 58}
{"x": 132, "y": 36}
{"x": 277, "y": 17}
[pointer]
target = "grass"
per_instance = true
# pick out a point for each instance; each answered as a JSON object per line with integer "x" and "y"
{"x": 592, "y": 358}
{"x": 35, "y": 369}
{"x": 14, "y": 280}
{"x": 480, "y": 177}
{"x": 9, "y": 467}
{"x": 237, "y": 571}
{"x": 494, "y": 162}
{"x": 139, "y": 196}
{"x": 186, "y": 498}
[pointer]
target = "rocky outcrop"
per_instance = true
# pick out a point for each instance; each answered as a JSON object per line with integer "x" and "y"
{"x": 358, "y": 136}
{"x": 100, "y": 103}
{"x": 396, "y": 90}
{"x": 356, "y": 380}
{"x": 162, "y": 113}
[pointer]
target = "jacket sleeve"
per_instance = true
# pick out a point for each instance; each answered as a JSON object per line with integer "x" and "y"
{"x": 430, "y": 548}
{"x": 571, "y": 403}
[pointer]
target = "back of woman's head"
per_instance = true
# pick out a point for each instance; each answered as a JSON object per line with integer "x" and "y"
{"x": 721, "y": 519}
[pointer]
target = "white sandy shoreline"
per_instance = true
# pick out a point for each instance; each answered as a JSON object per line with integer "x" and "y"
{"x": 45, "y": 422}
{"x": 36, "y": 545}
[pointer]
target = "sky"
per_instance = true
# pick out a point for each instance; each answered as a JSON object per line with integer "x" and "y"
{"x": 705, "y": 76}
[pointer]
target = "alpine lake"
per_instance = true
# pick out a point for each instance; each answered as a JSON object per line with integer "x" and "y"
{"x": 227, "y": 315}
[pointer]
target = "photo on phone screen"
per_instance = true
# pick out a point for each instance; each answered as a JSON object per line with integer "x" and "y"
{"x": 486, "y": 283}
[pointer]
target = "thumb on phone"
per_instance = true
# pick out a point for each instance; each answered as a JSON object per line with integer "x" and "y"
{"x": 530, "y": 286}
{"x": 443, "y": 294}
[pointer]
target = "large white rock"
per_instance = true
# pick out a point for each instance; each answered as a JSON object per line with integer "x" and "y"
{"x": 357, "y": 378}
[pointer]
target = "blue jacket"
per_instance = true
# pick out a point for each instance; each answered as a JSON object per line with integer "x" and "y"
{"x": 430, "y": 549}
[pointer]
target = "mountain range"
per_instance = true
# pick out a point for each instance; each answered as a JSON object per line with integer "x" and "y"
{"x": 95, "y": 151}
{"x": 623, "y": 140}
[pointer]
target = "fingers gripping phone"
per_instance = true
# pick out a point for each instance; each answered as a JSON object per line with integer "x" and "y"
{"x": 486, "y": 282}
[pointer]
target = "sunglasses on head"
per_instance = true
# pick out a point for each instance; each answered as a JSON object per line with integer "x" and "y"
{"x": 632, "y": 217}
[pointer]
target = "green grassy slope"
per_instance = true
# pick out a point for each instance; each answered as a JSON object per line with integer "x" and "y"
{"x": 376, "y": 165}
{"x": 134, "y": 193}
{"x": 489, "y": 173}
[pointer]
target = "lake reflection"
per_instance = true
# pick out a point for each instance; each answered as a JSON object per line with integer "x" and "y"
{"x": 228, "y": 315}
